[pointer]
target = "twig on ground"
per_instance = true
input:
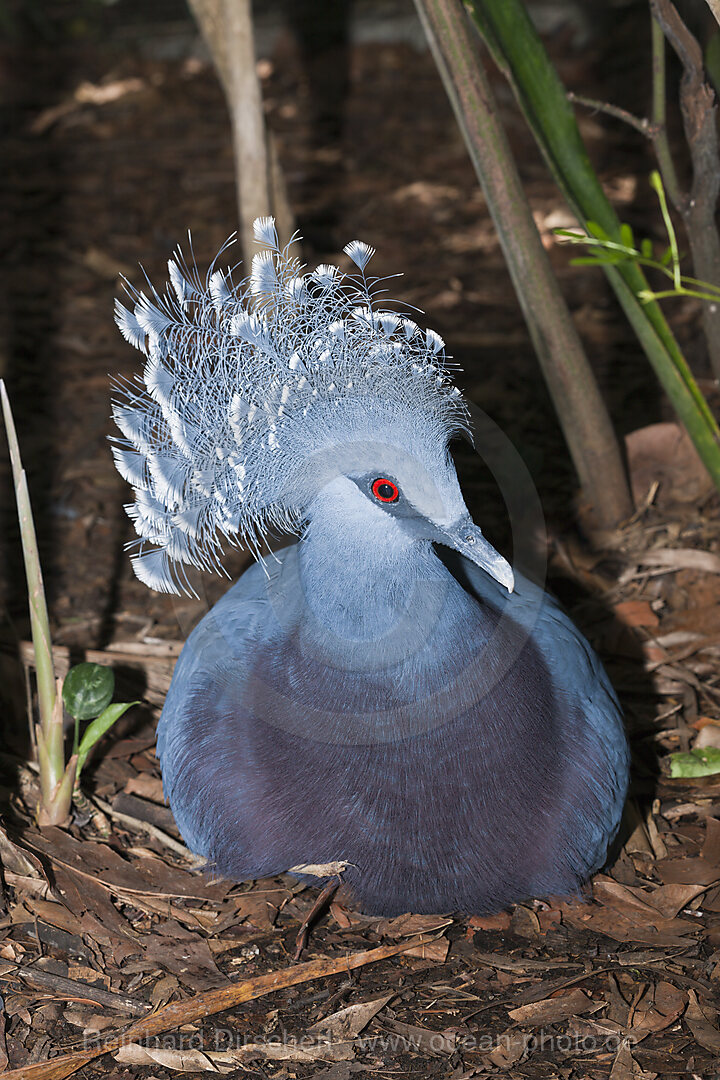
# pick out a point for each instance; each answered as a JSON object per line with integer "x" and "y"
{"x": 152, "y": 830}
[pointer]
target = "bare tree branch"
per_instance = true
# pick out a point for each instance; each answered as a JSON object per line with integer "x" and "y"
{"x": 227, "y": 28}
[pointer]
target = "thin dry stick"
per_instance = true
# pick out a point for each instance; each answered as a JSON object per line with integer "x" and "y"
{"x": 640, "y": 123}
{"x": 200, "y": 1006}
{"x": 151, "y": 830}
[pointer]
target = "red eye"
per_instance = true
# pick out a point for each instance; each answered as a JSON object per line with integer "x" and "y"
{"x": 384, "y": 490}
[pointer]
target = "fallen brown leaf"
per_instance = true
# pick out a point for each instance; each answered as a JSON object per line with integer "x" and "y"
{"x": 659, "y": 1009}
{"x": 3, "y": 1045}
{"x": 436, "y": 951}
{"x": 628, "y": 923}
{"x": 423, "y": 1039}
{"x": 625, "y": 1067}
{"x": 146, "y": 787}
{"x": 498, "y": 921}
{"x": 701, "y": 1021}
{"x": 511, "y": 1046}
{"x": 407, "y": 925}
{"x": 349, "y": 1022}
{"x": 553, "y": 1010}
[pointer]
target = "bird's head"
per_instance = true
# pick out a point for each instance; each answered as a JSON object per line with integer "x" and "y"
{"x": 283, "y": 400}
{"x": 388, "y": 494}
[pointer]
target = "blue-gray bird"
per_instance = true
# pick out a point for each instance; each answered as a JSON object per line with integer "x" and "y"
{"x": 382, "y": 694}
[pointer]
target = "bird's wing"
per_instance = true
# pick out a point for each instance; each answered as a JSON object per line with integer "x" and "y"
{"x": 221, "y": 638}
{"x": 575, "y": 668}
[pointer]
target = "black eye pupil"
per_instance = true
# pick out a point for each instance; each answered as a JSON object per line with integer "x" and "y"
{"x": 385, "y": 491}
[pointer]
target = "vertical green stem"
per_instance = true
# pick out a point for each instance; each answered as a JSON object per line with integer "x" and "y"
{"x": 50, "y": 746}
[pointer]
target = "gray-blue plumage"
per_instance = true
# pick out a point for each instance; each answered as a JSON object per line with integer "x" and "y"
{"x": 273, "y": 756}
{"x": 358, "y": 698}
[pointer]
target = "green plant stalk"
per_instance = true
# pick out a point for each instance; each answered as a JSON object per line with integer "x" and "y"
{"x": 520, "y": 54}
{"x": 51, "y": 758}
{"x": 57, "y": 811}
{"x": 656, "y": 184}
{"x": 579, "y": 405}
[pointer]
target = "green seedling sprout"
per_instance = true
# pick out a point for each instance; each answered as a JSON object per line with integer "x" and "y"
{"x": 87, "y": 695}
{"x": 85, "y": 689}
{"x": 608, "y": 252}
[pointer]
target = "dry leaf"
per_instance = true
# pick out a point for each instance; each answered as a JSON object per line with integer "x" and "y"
{"x": 433, "y": 950}
{"x": 3, "y": 1046}
{"x": 423, "y": 1039}
{"x": 701, "y": 1022}
{"x": 349, "y": 1022}
{"x": 105, "y": 93}
{"x": 511, "y": 1047}
{"x": 671, "y": 899}
{"x": 88, "y": 975}
{"x": 625, "y": 1067}
{"x": 407, "y": 925}
{"x": 178, "y": 1060}
{"x": 340, "y": 916}
{"x": 659, "y": 1009}
{"x": 553, "y": 1010}
{"x": 145, "y": 786}
{"x": 498, "y": 921}
{"x": 320, "y": 870}
{"x": 621, "y": 926}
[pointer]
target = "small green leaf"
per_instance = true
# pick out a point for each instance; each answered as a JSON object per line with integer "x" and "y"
{"x": 603, "y": 258}
{"x": 626, "y": 236}
{"x": 87, "y": 689}
{"x": 577, "y": 237}
{"x": 597, "y": 230}
{"x": 646, "y": 248}
{"x": 101, "y": 724}
{"x": 666, "y": 257}
{"x": 700, "y": 762}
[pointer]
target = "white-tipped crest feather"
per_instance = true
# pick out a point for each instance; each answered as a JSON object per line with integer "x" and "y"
{"x": 265, "y": 232}
{"x": 359, "y": 252}
{"x": 244, "y": 383}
